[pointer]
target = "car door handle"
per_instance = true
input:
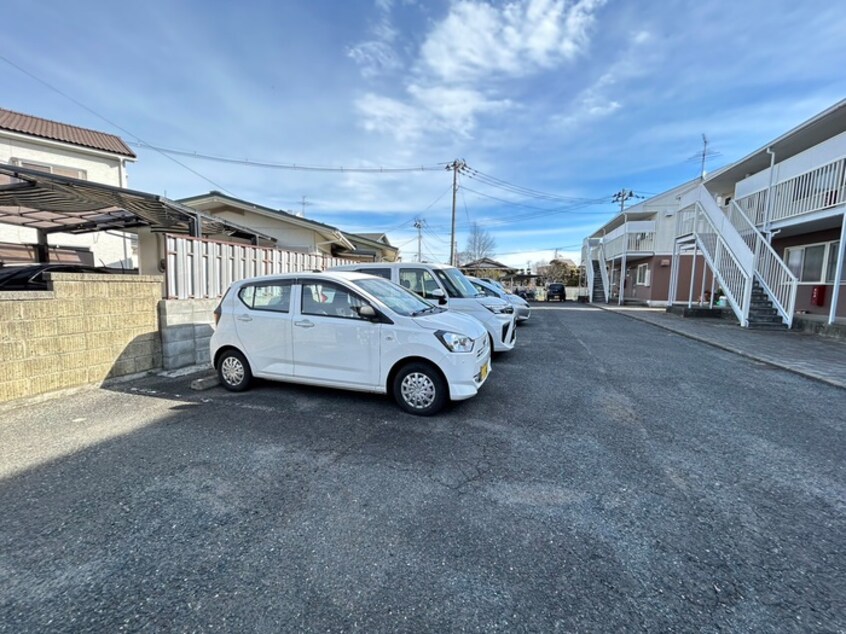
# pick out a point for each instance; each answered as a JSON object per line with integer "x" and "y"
{"x": 304, "y": 324}
{"x": 244, "y": 318}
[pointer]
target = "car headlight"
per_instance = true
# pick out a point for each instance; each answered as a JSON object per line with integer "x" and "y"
{"x": 505, "y": 309}
{"x": 455, "y": 342}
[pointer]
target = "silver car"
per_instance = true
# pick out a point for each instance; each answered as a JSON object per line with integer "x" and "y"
{"x": 492, "y": 288}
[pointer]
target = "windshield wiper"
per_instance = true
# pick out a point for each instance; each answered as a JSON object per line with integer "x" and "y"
{"x": 423, "y": 311}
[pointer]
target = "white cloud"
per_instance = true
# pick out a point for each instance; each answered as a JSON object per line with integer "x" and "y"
{"x": 477, "y": 40}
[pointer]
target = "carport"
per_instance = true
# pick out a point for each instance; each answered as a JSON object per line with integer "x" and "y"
{"x": 51, "y": 204}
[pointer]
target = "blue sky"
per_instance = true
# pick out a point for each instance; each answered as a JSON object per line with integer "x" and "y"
{"x": 575, "y": 98}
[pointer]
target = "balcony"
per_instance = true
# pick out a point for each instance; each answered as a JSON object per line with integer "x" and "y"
{"x": 818, "y": 189}
{"x": 632, "y": 238}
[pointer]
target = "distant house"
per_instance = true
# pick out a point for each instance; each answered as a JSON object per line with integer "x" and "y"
{"x": 370, "y": 247}
{"x": 487, "y": 267}
{"x": 66, "y": 150}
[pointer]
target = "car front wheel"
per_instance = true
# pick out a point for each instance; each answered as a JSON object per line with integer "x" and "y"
{"x": 420, "y": 389}
{"x": 234, "y": 371}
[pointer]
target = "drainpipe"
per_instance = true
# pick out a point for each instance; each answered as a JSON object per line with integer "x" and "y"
{"x": 768, "y": 203}
{"x": 838, "y": 273}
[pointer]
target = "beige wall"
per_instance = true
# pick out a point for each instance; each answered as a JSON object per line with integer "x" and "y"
{"x": 87, "y": 329}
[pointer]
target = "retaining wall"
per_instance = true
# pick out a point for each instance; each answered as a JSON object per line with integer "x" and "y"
{"x": 85, "y": 330}
{"x": 186, "y": 327}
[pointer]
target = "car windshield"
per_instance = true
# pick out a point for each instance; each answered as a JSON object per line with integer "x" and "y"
{"x": 397, "y": 298}
{"x": 456, "y": 284}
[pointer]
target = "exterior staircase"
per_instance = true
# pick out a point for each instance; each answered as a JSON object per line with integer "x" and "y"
{"x": 762, "y": 314}
{"x": 597, "y": 294}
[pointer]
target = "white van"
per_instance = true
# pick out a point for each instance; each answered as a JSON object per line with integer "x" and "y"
{"x": 448, "y": 286}
{"x": 351, "y": 331}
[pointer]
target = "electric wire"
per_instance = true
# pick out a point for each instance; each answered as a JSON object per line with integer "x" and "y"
{"x": 493, "y": 181}
{"x": 288, "y": 166}
{"x": 110, "y": 122}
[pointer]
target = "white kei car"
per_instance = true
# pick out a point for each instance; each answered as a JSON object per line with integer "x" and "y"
{"x": 348, "y": 330}
{"x": 492, "y": 288}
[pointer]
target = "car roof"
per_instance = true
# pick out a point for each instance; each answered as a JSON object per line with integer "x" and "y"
{"x": 326, "y": 275}
{"x": 391, "y": 265}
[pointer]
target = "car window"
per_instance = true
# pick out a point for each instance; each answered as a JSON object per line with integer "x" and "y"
{"x": 270, "y": 296}
{"x": 418, "y": 281}
{"x": 456, "y": 283}
{"x": 397, "y": 298}
{"x": 483, "y": 289}
{"x": 330, "y": 300}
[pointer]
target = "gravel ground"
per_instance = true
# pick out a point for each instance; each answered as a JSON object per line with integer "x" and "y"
{"x": 610, "y": 477}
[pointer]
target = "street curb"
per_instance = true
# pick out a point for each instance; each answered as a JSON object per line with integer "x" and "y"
{"x": 727, "y": 348}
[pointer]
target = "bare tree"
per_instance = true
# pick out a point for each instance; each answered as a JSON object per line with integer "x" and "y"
{"x": 480, "y": 244}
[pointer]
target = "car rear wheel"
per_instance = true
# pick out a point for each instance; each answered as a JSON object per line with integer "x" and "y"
{"x": 234, "y": 371}
{"x": 420, "y": 389}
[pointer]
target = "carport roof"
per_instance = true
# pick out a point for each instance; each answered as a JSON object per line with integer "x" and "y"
{"x": 54, "y": 203}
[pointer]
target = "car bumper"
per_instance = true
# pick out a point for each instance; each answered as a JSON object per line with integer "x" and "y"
{"x": 522, "y": 313}
{"x": 466, "y": 373}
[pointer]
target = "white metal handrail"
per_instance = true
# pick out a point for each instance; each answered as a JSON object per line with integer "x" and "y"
{"x": 735, "y": 281}
{"x": 778, "y": 281}
{"x": 603, "y": 271}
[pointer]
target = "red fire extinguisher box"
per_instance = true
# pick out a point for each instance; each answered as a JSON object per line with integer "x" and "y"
{"x": 818, "y": 295}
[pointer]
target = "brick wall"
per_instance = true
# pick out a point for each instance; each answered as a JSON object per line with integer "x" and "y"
{"x": 89, "y": 328}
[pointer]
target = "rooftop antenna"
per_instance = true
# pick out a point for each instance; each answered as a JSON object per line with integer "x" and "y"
{"x": 703, "y": 156}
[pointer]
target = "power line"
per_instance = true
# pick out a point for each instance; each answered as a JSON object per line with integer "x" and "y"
{"x": 288, "y": 166}
{"x": 528, "y": 192}
{"x": 110, "y": 122}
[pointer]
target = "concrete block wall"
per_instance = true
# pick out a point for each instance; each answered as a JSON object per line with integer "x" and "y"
{"x": 85, "y": 330}
{"x": 186, "y": 328}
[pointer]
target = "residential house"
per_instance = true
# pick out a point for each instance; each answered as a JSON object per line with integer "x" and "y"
{"x": 487, "y": 268}
{"x": 66, "y": 150}
{"x": 292, "y": 232}
{"x": 370, "y": 247}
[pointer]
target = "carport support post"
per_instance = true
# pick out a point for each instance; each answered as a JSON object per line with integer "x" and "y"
{"x": 42, "y": 248}
{"x": 692, "y": 278}
{"x": 838, "y": 272}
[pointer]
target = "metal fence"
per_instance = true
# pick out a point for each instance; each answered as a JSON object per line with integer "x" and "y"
{"x": 204, "y": 269}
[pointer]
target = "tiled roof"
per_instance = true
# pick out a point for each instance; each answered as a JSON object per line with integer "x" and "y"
{"x": 55, "y": 131}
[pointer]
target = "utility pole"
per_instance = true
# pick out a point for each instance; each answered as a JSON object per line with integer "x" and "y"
{"x": 704, "y": 155}
{"x": 622, "y": 196}
{"x": 419, "y": 223}
{"x": 456, "y": 165}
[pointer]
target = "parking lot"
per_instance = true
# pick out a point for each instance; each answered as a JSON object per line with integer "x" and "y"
{"x": 610, "y": 476}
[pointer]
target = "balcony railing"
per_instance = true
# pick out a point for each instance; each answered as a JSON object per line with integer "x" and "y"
{"x": 817, "y": 189}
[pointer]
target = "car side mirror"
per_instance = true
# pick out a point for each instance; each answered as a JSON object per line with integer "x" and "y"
{"x": 439, "y": 295}
{"x": 367, "y": 312}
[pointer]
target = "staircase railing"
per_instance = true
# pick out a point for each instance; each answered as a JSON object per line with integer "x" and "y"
{"x": 587, "y": 262}
{"x": 735, "y": 278}
{"x": 603, "y": 272}
{"x": 778, "y": 281}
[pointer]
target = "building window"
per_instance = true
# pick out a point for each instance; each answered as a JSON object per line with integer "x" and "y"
{"x": 642, "y": 275}
{"x": 49, "y": 168}
{"x": 813, "y": 263}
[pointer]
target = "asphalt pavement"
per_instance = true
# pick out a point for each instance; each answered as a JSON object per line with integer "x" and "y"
{"x": 610, "y": 477}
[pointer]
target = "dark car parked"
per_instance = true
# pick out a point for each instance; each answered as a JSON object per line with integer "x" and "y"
{"x": 556, "y": 291}
{"x": 31, "y": 278}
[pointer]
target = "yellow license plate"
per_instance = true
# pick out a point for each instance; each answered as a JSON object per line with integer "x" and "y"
{"x": 484, "y": 371}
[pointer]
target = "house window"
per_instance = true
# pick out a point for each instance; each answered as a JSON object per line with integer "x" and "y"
{"x": 642, "y": 275}
{"x": 813, "y": 263}
{"x": 58, "y": 170}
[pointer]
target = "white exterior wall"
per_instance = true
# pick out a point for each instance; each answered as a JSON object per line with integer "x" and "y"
{"x": 817, "y": 156}
{"x": 110, "y": 249}
{"x": 288, "y": 235}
